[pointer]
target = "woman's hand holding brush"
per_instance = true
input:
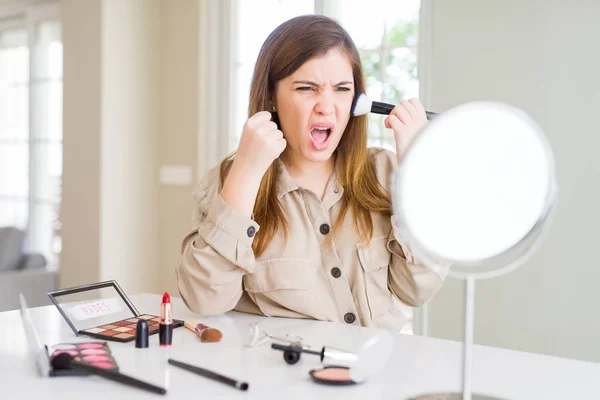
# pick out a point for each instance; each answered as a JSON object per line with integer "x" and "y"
{"x": 407, "y": 119}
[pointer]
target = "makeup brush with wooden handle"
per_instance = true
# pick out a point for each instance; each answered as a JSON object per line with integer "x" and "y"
{"x": 204, "y": 332}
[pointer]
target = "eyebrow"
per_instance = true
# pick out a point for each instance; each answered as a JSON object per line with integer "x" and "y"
{"x": 316, "y": 84}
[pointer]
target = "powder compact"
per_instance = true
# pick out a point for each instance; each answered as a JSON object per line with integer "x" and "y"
{"x": 331, "y": 375}
{"x": 96, "y": 354}
{"x": 343, "y": 367}
{"x": 103, "y": 311}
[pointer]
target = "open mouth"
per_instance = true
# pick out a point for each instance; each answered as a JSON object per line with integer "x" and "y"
{"x": 320, "y": 135}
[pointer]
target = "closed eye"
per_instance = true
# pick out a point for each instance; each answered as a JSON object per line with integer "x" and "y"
{"x": 310, "y": 88}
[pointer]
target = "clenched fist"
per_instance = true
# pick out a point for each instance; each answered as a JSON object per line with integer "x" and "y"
{"x": 260, "y": 144}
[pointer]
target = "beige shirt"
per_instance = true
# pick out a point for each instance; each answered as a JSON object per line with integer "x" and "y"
{"x": 346, "y": 279}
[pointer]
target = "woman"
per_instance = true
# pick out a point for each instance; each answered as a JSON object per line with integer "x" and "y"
{"x": 297, "y": 223}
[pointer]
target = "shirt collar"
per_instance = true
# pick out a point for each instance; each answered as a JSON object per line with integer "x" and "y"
{"x": 285, "y": 184}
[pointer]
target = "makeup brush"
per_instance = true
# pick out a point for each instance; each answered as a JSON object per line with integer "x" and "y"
{"x": 362, "y": 105}
{"x": 210, "y": 375}
{"x": 204, "y": 332}
{"x": 66, "y": 361}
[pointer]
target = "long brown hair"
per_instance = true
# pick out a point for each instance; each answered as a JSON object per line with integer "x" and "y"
{"x": 288, "y": 47}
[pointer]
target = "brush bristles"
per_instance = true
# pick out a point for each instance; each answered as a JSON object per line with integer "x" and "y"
{"x": 211, "y": 335}
{"x": 362, "y": 105}
{"x": 205, "y": 333}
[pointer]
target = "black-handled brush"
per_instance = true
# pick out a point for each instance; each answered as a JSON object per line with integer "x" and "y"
{"x": 362, "y": 105}
{"x": 66, "y": 361}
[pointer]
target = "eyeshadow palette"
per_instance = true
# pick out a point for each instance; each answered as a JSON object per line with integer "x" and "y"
{"x": 103, "y": 311}
{"x": 123, "y": 331}
{"x": 96, "y": 354}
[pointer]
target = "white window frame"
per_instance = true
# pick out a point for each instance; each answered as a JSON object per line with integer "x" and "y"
{"x": 26, "y": 14}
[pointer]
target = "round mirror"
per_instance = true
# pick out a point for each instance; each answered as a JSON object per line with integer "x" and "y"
{"x": 476, "y": 187}
{"x": 473, "y": 184}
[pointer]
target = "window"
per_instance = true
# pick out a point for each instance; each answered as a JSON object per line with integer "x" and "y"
{"x": 31, "y": 125}
{"x": 386, "y": 33}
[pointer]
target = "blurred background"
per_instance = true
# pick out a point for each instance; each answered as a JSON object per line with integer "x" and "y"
{"x": 112, "y": 110}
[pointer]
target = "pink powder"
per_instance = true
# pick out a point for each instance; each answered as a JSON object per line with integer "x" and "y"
{"x": 96, "y": 358}
{"x": 91, "y": 345}
{"x": 93, "y": 351}
{"x": 69, "y": 352}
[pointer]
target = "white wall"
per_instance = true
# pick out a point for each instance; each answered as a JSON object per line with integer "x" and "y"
{"x": 82, "y": 114}
{"x": 111, "y": 130}
{"x": 541, "y": 56}
{"x": 179, "y": 138}
{"x": 129, "y": 143}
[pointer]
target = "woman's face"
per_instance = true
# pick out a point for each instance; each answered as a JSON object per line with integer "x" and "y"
{"x": 313, "y": 105}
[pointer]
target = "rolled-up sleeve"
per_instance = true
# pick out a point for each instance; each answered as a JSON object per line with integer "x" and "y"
{"x": 216, "y": 254}
{"x": 412, "y": 281}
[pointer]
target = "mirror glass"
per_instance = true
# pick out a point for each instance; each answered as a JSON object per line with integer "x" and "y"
{"x": 475, "y": 182}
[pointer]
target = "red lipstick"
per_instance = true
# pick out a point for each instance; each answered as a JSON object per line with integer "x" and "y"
{"x": 165, "y": 326}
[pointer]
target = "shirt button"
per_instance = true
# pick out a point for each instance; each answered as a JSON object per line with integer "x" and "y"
{"x": 324, "y": 229}
{"x": 251, "y": 231}
{"x": 336, "y": 272}
{"x": 349, "y": 318}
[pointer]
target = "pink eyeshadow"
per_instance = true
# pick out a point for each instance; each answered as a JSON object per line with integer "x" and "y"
{"x": 96, "y": 358}
{"x": 103, "y": 364}
{"x": 69, "y": 352}
{"x": 91, "y": 345}
{"x": 93, "y": 351}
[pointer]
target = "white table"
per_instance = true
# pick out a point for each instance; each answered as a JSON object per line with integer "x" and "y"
{"x": 418, "y": 365}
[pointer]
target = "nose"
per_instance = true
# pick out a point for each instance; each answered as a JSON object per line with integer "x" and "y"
{"x": 325, "y": 104}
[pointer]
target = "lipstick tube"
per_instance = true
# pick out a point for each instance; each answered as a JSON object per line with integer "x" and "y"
{"x": 165, "y": 326}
